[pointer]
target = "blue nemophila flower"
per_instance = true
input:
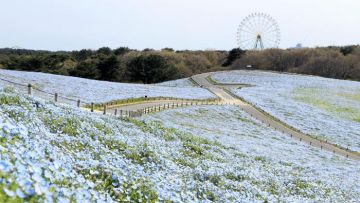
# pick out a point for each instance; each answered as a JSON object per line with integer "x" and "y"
{"x": 115, "y": 180}
{"x": 5, "y": 166}
{"x": 6, "y": 128}
{"x": 20, "y": 193}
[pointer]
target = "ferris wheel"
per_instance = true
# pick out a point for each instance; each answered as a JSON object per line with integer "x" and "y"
{"x": 258, "y": 31}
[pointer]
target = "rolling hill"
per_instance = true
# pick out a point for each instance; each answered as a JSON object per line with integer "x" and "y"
{"x": 210, "y": 153}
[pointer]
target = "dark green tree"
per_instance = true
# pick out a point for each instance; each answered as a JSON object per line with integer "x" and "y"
{"x": 121, "y": 51}
{"x": 111, "y": 69}
{"x": 347, "y": 50}
{"x": 151, "y": 69}
{"x": 86, "y": 69}
{"x": 82, "y": 54}
{"x": 104, "y": 50}
{"x": 28, "y": 63}
{"x": 168, "y": 49}
{"x": 233, "y": 55}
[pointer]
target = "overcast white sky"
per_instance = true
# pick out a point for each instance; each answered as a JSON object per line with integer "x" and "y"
{"x": 180, "y": 24}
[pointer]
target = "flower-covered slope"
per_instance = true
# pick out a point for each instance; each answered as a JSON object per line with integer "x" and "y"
{"x": 325, "y": 108}
{"x": 185, "y": 82}
{"x": 99, "y": 91}
{"x": 57, "y": 153}
{"x": 268, "y": 164}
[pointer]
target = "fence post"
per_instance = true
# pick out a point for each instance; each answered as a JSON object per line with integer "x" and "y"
{"x": 92, "y": 107}
{"x": 56, "y": 97}
{"x": 115, "y": 112}
{"x": 105, "y": 108}
{"x": 78, "y": 103}
{"x": 29, "y": 89}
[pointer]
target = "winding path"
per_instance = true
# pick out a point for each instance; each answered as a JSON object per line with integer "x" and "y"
{"x": 267, "y": 119}
{"x": 227, "y": 98}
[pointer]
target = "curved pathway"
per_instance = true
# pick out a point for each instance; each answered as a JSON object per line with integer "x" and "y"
{"x": 228, "y": 98}
{"x": 202, "y": 81}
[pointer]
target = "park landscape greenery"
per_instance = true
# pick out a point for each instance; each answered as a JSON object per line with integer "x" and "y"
{"x": 57, "y": 153}
{"x": 153, "y": 66}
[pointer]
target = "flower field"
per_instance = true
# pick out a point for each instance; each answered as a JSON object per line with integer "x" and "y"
{"x": 327, "y": 109}
{"x": 99, "y": 91}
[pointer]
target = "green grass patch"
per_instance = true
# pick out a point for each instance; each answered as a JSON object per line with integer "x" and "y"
{"x": 8, "y": 89}
{"x": 11, "y": 100}
{"x": 103, "y": 128}
{"x": 66, "y": 125}
{"x": 310, "y": 96}
{"x": 234, "y": 177}
{"x": 245, "y": 120}
{"x": 15, "y": 114}
{"x": 260, "y": 159}
{"x": 351, "y": 96}
{"x": 135, "y": 190}
{"x": 139, "y": 154}
{"x": 206, "y": 194}
{"x": 185, "y": 162}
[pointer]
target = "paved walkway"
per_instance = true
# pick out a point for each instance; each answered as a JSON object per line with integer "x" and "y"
{"x": 268, "y": 120}
{"x": 227, "y": 98}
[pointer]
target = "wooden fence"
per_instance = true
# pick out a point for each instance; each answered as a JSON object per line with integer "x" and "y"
{"x": 93, "y": 107}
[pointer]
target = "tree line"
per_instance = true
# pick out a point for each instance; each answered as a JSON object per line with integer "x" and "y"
{"x": 152, "y": 66}
{"x": 119, "y": 65}
{"x": 331, "y": 62}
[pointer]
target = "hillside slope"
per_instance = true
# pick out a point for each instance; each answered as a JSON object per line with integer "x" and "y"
{"x": 98, "y": 91}
{"x": 327, "y": 109}
{"x": 54, "y": 152}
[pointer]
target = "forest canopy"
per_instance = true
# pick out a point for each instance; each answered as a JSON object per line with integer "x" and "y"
{"x": 151, "y": 66}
